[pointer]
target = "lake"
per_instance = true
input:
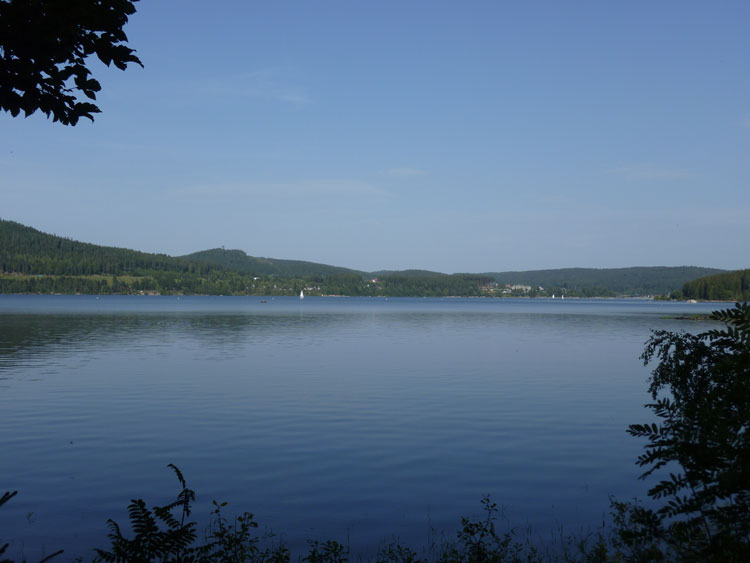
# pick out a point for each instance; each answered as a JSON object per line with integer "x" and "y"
{"x": 355, "y": 419}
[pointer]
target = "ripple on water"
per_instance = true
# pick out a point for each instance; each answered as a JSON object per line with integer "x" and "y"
{"x": 364, "y": 418}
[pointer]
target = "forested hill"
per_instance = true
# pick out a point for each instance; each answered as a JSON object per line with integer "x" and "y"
{"x": 35, "y": 262}
{"x": 730, "y": 286}
{"x": 618, "y": 281}
{"x": 26, "y": 250}
{"x": 238, "y": 261}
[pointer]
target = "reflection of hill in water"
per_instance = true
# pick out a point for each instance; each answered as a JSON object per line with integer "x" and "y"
{"x": 31, "y": 337}
{"x": 318, "y": 410}
{"x": 23, "y": 337}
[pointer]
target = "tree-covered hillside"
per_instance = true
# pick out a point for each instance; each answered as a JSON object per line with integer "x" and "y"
{"x": 238, "y": 261}
{"x": 26, "y": 250}
{"x": 440, "y": 285}
{"x": 729, "y": 286}
{"x": 35, "y": 262}
{"x": 619, "y": 281}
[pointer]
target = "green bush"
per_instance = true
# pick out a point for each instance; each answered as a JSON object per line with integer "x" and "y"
{"x": 700, "y": 447}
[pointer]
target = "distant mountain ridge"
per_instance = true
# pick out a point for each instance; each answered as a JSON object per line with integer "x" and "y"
{"x": 412, "y": 273}
{"x": 25, "y": 251}
{"x": 637, "y": 280}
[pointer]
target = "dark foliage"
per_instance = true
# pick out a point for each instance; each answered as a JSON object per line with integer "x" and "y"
{"x": 587, "y": 282}
{"x": 329, "y": 551}
{"x": 700, "y": 448}
{"x": 162, "y": 534}
{"x": 479, "y": 542}
{"x": 464, "y": 285}
{"x": 233, "y": 540}
{"x": 731, "y": 286}
{"x": 44, "y": 47}
{"x": 159, "y": 535}
{"x": 26, "y": 250}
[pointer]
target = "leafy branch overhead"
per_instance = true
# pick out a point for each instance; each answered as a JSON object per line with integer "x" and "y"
{"x": 44, "y": 47}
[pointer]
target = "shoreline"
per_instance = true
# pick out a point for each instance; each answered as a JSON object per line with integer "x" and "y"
{"x": 342, "y": 296}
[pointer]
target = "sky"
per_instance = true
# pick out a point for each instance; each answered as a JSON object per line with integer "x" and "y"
{"x": 450, "y": 136}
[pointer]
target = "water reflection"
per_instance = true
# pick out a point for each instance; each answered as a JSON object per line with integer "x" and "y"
{"x": 358, "y": 417}
{"x": 23, "y": 335}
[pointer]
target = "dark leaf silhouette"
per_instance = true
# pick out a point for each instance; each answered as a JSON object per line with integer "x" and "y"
{"x": 45, "y": 43}
{"x": 700, "y": 448}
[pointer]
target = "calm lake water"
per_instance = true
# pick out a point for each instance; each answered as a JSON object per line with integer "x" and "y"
{"x": 345, "y": 418}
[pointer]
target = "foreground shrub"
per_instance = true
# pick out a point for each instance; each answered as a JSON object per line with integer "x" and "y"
{"x": 701, "y": 393}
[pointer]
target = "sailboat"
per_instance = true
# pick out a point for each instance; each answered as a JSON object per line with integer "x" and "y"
{"x": 301, "y": 294}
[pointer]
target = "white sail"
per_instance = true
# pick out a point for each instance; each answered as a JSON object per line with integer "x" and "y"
{"x": 301, "y": 294}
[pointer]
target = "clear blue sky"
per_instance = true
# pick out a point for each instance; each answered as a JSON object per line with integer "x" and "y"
{"x": 452, "y": 136}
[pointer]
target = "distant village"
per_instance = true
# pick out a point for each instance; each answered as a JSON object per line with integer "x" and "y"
{"x": 514, "y": 289}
